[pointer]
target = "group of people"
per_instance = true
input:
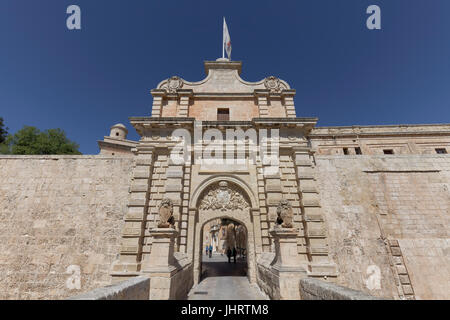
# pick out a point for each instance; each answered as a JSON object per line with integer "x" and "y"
{"x": 230, "y": 253}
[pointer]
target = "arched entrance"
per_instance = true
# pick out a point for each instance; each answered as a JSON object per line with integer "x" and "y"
{"x": 223, "y": 198}
{"x": 225, "y": 249}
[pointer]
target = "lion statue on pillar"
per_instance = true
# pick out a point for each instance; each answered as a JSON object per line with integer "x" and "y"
{"x": 166, "y": 219}
{"x": 285, "y": 214}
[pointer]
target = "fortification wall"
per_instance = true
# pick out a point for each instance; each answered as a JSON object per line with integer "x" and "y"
{"x": 386, "y": 215}
{"x": 60, "y": 216}
{"x": 389, "y": 216}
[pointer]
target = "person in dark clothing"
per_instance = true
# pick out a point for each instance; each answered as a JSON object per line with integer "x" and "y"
{"x": 229, "y": 255}
{"x": 234, "y": 254}
{"x": 210, "y": 250}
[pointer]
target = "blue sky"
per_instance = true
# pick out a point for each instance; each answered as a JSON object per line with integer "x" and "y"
{"x": 85, "y": 81}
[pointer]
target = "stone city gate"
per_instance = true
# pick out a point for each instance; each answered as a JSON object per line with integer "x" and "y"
{"x": 244, "y": 190}
{"x": 233, "y": 241}
{"x": 224, "y": 197}
{"x": 375, "y": 198}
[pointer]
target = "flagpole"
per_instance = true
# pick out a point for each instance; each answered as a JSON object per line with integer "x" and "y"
{"x": 223, "y": 38}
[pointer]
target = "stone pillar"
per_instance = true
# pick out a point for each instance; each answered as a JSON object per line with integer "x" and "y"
{"x": 161, "y": 257}
{"x": 262, "y": 97}
{"x": 183, "y": 104}
{"x": 174, "y": 189}
{"x": 128, "y": 264}
{"x": 183, "y": 227}
{"x": 287, "y": 265}
{"x": 314, "y": 225}
{"x": 257, "y": 230}
{"x": 191, "y": 232}
{"x": 272, "y": 184}
{"x": 158, "y": 96}
{"x": 161, "y": 264}
{"x": 263, "y": 214}
{"x": 288, "y": 97}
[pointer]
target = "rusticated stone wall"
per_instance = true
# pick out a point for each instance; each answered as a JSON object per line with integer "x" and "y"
{"x": 388, "y": 219}
{"x": 60, "y": 216}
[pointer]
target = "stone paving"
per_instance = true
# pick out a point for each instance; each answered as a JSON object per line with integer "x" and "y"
{"x": 222, "y": 280}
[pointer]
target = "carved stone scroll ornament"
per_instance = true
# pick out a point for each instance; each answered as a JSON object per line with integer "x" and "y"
{"x": 223, "y": 198}
{"x": 166, "y": 219}
{"x": 272, "y": 84}
{"x": 285, "y": 214}
{"x": 173, "y": 84}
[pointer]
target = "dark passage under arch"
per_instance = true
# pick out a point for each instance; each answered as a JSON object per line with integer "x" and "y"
{"x": 221, "y": 235}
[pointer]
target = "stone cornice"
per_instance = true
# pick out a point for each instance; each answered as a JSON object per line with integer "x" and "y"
{"x": 380, "y": 131}
{"x": 379, "y": 134}
{"x": 161, "y": 121}
{"x": 221, "y": 95}
{"x": 116, "y": 143}
{"x": 114, "y": 140}
{"x": 141, "y": 123}
{"x": 233, "y": 65}
{"x": 306, "y": 123}
{"x": 271, "y": 121}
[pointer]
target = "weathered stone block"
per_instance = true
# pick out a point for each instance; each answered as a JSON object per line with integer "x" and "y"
{"x": 401, "y": 269}
{"x": 404, "y": 279}
{"x": 407, "y": 289}
{"x": 396, "y": 251}
{"x": 174, "y": 187}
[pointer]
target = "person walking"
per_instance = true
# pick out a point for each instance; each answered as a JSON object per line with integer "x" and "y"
{"x": 207, "y": 247}
{"x": 210, "y": 251}
{"x": 234, "y": 254}
{"x": 229, "y": 254}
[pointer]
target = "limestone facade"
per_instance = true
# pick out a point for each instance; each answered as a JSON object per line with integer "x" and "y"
{"x": 60, "y": 223}
{"x": 370, "y": 204}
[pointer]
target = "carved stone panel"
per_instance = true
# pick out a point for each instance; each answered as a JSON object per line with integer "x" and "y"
{"x": 223, "y": 196}
{"x": 173, "y": 84}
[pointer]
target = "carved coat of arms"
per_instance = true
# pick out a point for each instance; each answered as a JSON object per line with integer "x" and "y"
{"x": 223, "y": 198}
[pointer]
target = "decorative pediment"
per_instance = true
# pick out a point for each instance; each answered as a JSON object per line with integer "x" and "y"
{"x": 172, "y": 84}
{"x": 223, "y": 196}
{"x": 273, "y": 84}
{"x": 223, "y": 77}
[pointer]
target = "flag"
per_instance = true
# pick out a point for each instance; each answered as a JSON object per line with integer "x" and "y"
{"x": 226, "y": 40}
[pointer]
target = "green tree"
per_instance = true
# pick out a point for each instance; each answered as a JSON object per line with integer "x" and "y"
{"x": 29, "y": 140}
{"x": 3, "y": 131}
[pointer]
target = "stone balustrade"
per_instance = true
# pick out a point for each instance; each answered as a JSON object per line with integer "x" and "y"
{"x": 136, "y": 288}
{"x": 313, "y": 289}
